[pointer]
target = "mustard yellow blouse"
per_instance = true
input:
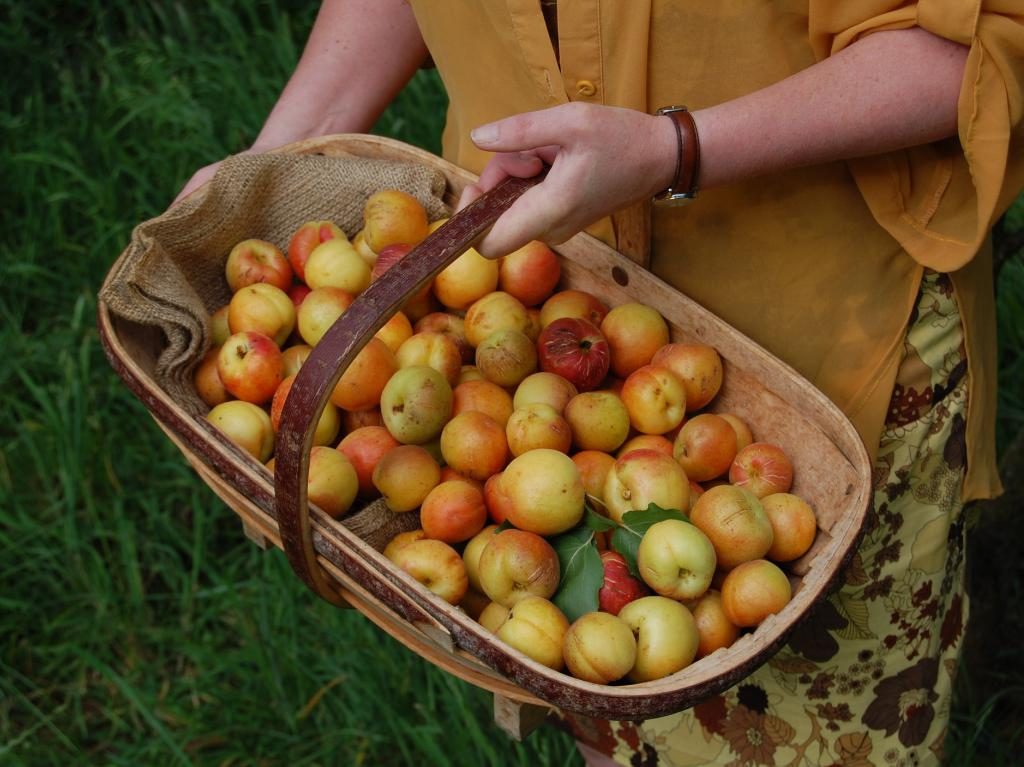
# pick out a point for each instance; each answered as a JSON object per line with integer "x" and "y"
{"x": 820, "y": 265}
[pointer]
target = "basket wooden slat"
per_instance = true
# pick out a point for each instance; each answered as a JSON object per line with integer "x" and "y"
{"x": 833, "y": 474}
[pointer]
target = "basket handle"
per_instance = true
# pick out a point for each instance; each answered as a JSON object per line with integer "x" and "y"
{"x": 339, "y": 346}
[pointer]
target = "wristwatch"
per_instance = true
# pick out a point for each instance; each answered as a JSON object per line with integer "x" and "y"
{"x": 684, "y": 184}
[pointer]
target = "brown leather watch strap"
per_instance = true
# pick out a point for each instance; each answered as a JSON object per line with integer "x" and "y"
{"x": 684, "y": 185}
{"x": 334, "y": 353}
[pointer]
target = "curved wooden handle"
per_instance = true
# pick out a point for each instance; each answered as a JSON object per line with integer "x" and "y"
{"x": 334, "y": 353}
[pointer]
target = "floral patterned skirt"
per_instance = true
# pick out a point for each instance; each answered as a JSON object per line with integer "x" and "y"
{"x": 867, "y": 678}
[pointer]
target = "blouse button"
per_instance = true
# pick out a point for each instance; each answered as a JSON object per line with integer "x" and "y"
{"x": 585, "y": 88}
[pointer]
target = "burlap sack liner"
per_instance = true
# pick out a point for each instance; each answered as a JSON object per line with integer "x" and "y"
{"x": 171, "y": 275}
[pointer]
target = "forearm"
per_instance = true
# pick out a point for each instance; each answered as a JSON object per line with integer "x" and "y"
{"x": 359, "y": 55}
{"x": 888, "y": 91}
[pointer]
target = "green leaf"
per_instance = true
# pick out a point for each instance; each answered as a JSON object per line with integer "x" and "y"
{"x": 582, "y": 573}
{"x": 597, "y": 522}
{"x": 626, "y": 539}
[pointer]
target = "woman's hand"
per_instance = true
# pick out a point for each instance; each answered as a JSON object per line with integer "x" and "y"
{"x": 601, "y": 160}
{"x": 199, "y": 178}
{"x": 207, "y": 172}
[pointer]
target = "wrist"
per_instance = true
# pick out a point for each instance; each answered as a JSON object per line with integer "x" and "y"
{"x": 268, "y": 140}
{"x": 295, "y": 117}
{"x": 276, "y": 135}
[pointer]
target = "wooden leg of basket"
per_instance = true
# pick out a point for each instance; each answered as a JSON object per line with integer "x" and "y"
{"x": 518, "y": 719}
{"x": 253, "y": 534}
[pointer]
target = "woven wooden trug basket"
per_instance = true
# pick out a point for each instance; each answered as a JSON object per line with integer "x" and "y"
{"x": 342, "y": 560}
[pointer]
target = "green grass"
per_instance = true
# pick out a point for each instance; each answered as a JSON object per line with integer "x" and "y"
{"x": 137, "y": 625}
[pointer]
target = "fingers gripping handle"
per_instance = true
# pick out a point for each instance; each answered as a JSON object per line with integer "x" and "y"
{"x": 336, "y": 350}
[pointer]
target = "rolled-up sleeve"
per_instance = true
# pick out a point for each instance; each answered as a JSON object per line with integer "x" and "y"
{"x": 939, "y": 201}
